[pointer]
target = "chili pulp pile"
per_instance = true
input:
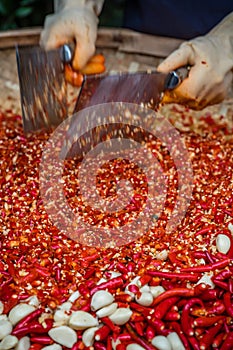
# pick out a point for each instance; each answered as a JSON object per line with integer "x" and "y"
{"x": 158, "y": 292}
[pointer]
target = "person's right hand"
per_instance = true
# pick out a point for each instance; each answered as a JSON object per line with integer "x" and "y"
{"x": 211, "y": 60}
{"x": 72, "y": 24}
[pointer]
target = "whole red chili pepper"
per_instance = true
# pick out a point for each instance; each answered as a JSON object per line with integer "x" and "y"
{"x": 216, "y": 308}
{"x": 218, "y": 340}
{"x": 31, "y": 328}
{"x": 102, "y": 333}
{"x": 27, "y": 319}
{"x": 221, "y": 284}
{"x": 180, "y": 292}
{"x": 228, "y": 303}
{"x": 150, "y": 332}
{"x": 141, "y": 309}
{"x": 186, "y": 324}
{"x": 172, "y": 316}
{"x": 227, "y": 343}
{"x": 139, "y": 327}
{"x": 162, "y": 308}
{"x": 114, "y": 283}
{"x": 207, "y": 321}
{"x": 45, "y": 340}
{"x": 207, "y": 339}
{"x": 108, "y": 322}
{"x": 171, "y": 275}
{"x": 194, "y": 343}
{"x": 206, "y": 268}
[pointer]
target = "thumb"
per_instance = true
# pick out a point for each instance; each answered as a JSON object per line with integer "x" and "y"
{"x": 180, "y": 57}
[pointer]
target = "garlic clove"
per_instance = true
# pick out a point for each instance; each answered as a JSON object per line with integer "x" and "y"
{"x": 52, "y": 347}
{"x": 81, "y": 320}
{"x": 101, "y": 299}
{"x": 63, "y": 335}
{"x": 145, "y": 288}
{"x": 134, "y": 346}
{"x": 161, "y": 343}
{"x": 20, "y": 311}
{"x": 33, "y": 300}
{"x": 9, "y": 342}
{"x": 61, "y": 317}
{"x": 121, "y": 316}
{"x": 175, "y": 341}
{"x": 23, "y": 344}
{"x": 223, "y": 243}
{"x": 230, "y": 227}
{"x": 88, "y": 336}
{"x": 163, "y": 255}
{"x": 65, "y": 306}
{"x": 74, "y": 296}
{"x": 107, "y": 310}
{"x": 5, "y": 328}
{"x": 145, "y": 299}
{"x": 156, "y": 290}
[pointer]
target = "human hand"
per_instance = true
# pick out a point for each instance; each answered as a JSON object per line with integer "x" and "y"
{"x": 72, "y": 24}
{"x": 210, "y": 76}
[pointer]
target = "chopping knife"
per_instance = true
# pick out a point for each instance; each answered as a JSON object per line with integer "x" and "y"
{"x": 142, "y": 88}
{"x": 43, "y": 89}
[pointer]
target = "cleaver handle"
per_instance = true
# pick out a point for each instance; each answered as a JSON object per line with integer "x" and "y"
{"x": 67, "y": 52}
{"x": 175, "y": 77}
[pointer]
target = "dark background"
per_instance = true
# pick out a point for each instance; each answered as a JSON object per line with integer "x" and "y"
{"x": 28, "y": 13}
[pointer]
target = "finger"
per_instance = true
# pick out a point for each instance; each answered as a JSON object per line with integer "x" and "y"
{"x": 180, "y": 57}
{"x": 83, "y": 52}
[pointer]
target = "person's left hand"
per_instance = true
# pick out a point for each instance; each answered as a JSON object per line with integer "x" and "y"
{"x": 210, "y": 76}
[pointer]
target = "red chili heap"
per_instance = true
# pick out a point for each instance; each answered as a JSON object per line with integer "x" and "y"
{"x": 159, "y": 292}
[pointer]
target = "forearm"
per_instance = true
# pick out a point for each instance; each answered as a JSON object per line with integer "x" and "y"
{"x": 95, "y": 4}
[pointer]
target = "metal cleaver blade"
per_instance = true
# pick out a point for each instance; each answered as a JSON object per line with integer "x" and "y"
{"x": 140, "y": 88}
{"x": 42, "y": 88}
